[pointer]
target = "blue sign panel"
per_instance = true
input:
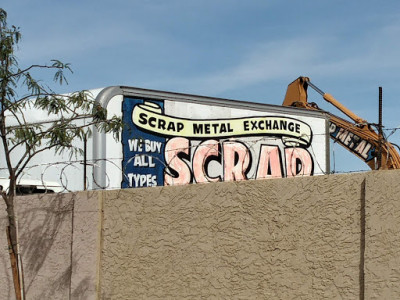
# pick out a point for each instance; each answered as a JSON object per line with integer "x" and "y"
{"x": 354, "y": 143}
{"x": 143, "y": 152}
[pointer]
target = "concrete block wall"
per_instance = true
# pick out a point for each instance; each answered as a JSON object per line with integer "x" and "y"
{"x": 322, "y": 237}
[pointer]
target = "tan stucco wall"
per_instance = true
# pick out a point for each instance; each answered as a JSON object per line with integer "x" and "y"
{"x": 382, "y": 251}
{"x": 286, "y": 239}
{"x": 45, "y": 236}
{"x": 59, "y": 244}
{"x": 302, "y": 238}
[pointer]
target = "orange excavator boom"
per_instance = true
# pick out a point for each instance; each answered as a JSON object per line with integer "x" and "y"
{"x": 358, "y": 137}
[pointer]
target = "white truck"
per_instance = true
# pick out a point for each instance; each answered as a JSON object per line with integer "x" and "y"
{"x": 172, "y": 138}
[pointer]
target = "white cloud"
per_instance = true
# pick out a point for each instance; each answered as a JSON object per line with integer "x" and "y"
{"x": 369, "y": 54}
{"x": 268, "y": 61}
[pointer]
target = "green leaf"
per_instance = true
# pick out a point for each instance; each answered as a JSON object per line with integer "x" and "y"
{"x": 76, "y": 114}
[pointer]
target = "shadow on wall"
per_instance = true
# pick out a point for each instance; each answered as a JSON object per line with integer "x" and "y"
{"x": 46, "y": 225}
{"x": 4, "y": 265}
{"x": 45, "y": 233}
{"x": 46, "y": 229}
{"x": 81, "y": 291}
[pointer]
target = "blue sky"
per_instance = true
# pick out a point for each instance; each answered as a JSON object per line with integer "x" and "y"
{"x": 246, "y": 50}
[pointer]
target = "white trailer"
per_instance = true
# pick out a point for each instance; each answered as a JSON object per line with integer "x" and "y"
{"x": 173, "y": 138}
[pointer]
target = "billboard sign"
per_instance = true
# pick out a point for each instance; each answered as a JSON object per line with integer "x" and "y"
{"x": 169, "y": 142}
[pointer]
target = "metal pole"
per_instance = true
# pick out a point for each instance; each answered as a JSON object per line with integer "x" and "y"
{"x": 84, "y": 162}
{"x": 380, "y": 130}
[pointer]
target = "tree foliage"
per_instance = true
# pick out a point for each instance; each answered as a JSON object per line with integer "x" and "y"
{"x": 69, "y": 118}
{"x": 74, "y": 115}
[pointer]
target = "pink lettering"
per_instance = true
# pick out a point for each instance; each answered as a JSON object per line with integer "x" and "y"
{"x": 173, "y": 147}
{"x": 203, "y": 154}
{"x": 298, "y": 162}
{"x": 269, "y": 159}
{"x": 236, "y": 161}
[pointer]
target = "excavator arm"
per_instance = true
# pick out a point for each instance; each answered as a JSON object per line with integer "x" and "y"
{"x": 358, "y": 137}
